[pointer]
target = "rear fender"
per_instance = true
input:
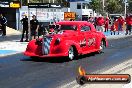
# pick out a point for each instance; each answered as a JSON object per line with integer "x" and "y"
{"x": 99, "y": 41}
{"x": 69, "y": 43}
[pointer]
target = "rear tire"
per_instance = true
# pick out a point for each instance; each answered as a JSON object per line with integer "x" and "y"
{"x": 102, "y": 46}
{"x": 33, "y": 57}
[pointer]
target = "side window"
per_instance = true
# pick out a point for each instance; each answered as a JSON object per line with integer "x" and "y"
{"x": 82, "y": 28}
{"x": 85, "y": 28}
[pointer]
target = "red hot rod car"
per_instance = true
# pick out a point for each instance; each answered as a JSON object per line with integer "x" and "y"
{"x": 70, "y": 38}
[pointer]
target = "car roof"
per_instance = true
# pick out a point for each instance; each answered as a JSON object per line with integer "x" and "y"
{"x": 77, "y": 23}
{"x": 73, "y": 22}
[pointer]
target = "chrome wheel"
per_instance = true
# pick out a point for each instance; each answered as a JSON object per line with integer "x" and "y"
{"x": 102, "y": 46}
{"x": 71, "y": 53}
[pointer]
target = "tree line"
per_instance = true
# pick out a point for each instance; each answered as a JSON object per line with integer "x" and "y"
{"x": 111, "y": 6}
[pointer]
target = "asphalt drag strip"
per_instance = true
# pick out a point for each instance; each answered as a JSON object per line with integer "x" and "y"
{"x": 122, "y": 68}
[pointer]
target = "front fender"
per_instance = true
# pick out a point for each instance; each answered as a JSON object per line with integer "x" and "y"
{"x": 32, "y": 47}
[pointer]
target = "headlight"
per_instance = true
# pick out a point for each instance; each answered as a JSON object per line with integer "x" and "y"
{"x": 57, "y": 41}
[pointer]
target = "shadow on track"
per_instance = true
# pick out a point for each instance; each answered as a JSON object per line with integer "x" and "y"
{"x": 47, "y": 59}
{"x": 88, "y": 55}
{"x": 58, "y": 59}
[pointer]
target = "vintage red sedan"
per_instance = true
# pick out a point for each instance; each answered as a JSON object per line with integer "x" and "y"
{"x": 70, "y": 38}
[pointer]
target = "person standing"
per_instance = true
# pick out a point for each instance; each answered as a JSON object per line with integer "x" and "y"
{"x": 120, "y": 24}
{"x": 91, "y": 20}
{"x": 95, "y": 21}
{"x": 113, "y": 28}
{"x": 128, "y": 24}
{"x": 3, "y": 22}
{"x": 100, "y": 24}
{"x": 25, "y": 28}
{"x": 34, "y": 26}
{"x": 106, "y": 24}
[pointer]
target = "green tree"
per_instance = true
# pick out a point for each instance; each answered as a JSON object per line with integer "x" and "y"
{"x": 129, "y": 6}
{"x": 122, "y": 6}
{"x": 95, "y": 5}
{"x": 113, "y": 6}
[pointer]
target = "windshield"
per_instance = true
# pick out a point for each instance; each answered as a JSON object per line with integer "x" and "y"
{"x": 68, "y": 27}
{"x": 63, "y": 27}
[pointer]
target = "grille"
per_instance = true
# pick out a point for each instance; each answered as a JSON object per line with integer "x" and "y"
{"x": 46, "y": 45}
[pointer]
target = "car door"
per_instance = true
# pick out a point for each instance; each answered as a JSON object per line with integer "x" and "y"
{"x": 90, "y": 38}
{"x": 81, "y": 39}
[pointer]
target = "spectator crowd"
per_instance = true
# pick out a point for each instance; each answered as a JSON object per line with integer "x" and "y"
{"x": 117, "y": 24}
{"x": 104, "y": 24}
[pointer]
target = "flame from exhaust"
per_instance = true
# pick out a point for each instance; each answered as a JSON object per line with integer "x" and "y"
{"x": 82, "y": 72}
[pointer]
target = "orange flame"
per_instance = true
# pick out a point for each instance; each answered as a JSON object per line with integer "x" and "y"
{"x": 82, "y": 72}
